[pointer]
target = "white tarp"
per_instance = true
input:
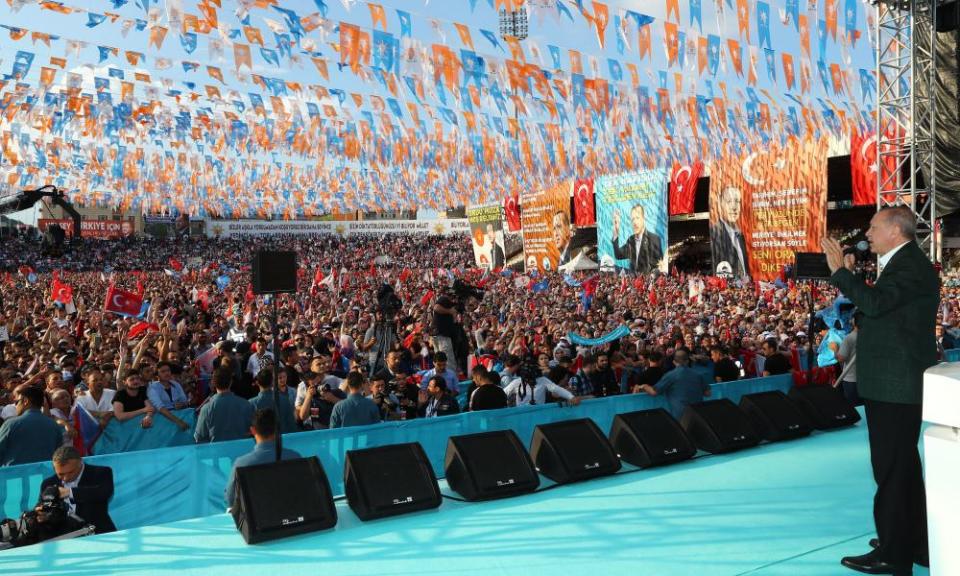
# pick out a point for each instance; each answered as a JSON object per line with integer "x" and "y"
{"x": 230, "y": 228}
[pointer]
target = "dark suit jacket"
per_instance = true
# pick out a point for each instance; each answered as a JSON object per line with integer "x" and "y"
{"x": 650, "y": 253}
{"x": 92, "y": 496}
{"x": 724, "y": 249}
{"x": 897, "y": 339}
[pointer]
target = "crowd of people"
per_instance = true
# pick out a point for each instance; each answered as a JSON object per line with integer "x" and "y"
{"x": 353, "y": 353}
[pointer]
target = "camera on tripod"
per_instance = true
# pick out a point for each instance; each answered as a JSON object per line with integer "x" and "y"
{"x": 388, "y": 302}
{"x": 462, "y": 291}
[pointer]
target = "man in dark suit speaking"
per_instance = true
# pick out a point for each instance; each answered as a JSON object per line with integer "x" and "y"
{"x": 896, "y": 342}
{"x": 85, "y": 488}
{"x": 726, "y": 238}
{"x": 642, "y": 249}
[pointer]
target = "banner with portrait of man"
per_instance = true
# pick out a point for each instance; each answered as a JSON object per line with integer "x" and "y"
{"x": 543, "y": 213}
{"x": 486, "y": 235}
{"x": 632, "y": 221}
{"x": 767, "y": 205}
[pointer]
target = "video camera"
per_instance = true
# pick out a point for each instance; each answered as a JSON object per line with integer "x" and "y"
{"x": 50, "y": 519}
{"x": 388, "y": 302}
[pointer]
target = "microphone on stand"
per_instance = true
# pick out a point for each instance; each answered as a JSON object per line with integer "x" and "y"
{"x": 859, "y": 247}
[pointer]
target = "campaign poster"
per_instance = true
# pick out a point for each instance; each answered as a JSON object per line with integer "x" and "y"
{"x": 767, "y": 205}
{"x": 632, "y": 221}
{"x": 542, "y": 212}
{"x": 486, "y": 235}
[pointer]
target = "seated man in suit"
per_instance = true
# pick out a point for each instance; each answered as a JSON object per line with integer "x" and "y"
{"x": 642, "y": 249}
{"x": 85, "y": 488}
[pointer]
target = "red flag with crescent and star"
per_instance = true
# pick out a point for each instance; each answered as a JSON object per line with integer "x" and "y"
{"x": 511, "y": 210}
{"x": 122, "y": 302}
{"x": 60, "y": 291}
{"x": 584, "y": 213}
{"x": 683, "y": 187}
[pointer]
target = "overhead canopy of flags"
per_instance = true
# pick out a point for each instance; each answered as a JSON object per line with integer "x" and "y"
{"x": 287, "y": 109}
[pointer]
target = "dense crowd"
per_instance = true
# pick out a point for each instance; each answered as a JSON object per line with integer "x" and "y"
{"x": 203, "y": 335}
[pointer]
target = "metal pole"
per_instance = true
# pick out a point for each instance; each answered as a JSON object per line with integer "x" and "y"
{"x": 276, "y": 379}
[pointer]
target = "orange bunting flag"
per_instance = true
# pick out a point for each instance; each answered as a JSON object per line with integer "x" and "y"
{"x": 215, "y": 73}
{"x": 736, "y": 57}
{"x": 644, "y": 42}
{"x": 576, "y": 63}
{"x": 837, "y": 77}
{"x": 601, "y": 17}
{"x": 788, "y": 70}
{"x": 743, "y": 19}
{"x": 377, "y": 15}
{"x": 516, "y": 50}
{"x": 673, "y": 7}
{"x": 464, "y": 33}
{"x": 804, "y": 34}
{"x": 670, "y": 41}
{"x": 132, "y": 57}
{"x": 253, "y": 35}
{"x": 321, "y": 65}
{"x": 752, "y": 69}
{"x": 58, "y": 62}
{"x": 241, "y": 56}
{"x": 157, "y": 34}
{"x": 830, "y": 11}
{"x": 47, "y": 75}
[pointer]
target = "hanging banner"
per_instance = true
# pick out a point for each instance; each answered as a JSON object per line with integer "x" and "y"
{"x": 543, "y": 213}
{"x": 632, "y": 221}
{"x": 90, "y": 228}
{"x": 486, "y": 234}
{"x": 617, "y": 333}
{"x": 766, "y": 206}
{"x": 232, "y": 228}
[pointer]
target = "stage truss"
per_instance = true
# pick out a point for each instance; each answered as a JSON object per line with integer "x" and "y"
{"x": 906, "y": 113}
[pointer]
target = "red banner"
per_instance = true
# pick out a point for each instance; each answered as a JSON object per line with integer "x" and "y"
{"x": 122, "y": 302}
{"x": 584, "y": 213}
{"x": 90, "y": 228}
{"x": 511, "y": 211}
{"x": 683, "y": 187}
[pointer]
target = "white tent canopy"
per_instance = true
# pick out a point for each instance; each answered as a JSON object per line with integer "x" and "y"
{"x": 580, "y": 262}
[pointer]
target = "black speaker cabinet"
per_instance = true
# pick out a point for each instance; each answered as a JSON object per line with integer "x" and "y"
{"x": 718, "y": 426}
{"x": 489, "y": 465}
{"x": 650, "y": 438}
{"x": 390, "y": 480}
{"x": 282, "y": 499}
{"x": 825, "y": 406}
{"x": 274, "y": 272}
{"x": 572, "y": 450}
{"x": 774, "y": 416}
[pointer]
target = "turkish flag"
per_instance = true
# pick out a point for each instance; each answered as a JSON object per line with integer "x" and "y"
{"x": 683, "y": 187}
{"x": 61, "y": 292}
{"x": 176, "y": 265}
{"x": 122, "y": 302}
{"x": 863, "y": 168}
{"x": 583, "y": 208}
{"x": 511, "y": 209}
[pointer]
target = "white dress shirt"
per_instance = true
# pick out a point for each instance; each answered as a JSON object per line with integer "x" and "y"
{"x": 71, "y": 486}
{"x": 882, "y": 261}
{"x": 104, "y": 405}
{"x": 539, "y": 392}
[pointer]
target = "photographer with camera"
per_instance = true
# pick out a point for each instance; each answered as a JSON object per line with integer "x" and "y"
{"x": 85, "y": 489}
{"x": 382, "y": 335}
{"x": 387, "y": 402}
{"x": 73, "y": 503}
{"x": 447, "y": 333}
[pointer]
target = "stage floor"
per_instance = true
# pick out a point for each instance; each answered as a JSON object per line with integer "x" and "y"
{"x": 783, "y": 509}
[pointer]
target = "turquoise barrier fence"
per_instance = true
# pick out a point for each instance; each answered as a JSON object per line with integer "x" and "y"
{"x": 170, "y": 484}
{"x": 130, "y": 435}
{"x": 951, "y": 355}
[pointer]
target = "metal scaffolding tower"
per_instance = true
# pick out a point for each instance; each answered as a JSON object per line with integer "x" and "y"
{"x": 906, "y": 112}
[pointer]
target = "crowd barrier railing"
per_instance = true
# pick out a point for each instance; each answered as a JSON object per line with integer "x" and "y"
{"x": 951, "y": 355}
{"x": 171, "y": 484}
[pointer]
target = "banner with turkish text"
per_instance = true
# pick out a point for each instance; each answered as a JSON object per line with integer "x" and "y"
{"x": 486, "y": 235}
{"x": 544, "y": 216}
{"x": 90, "y": 228}
{"x": 767, "y": 205}
{"x": 632, "y": 221}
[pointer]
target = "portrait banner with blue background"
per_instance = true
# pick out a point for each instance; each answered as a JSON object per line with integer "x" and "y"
{"x": 632, "y": 221}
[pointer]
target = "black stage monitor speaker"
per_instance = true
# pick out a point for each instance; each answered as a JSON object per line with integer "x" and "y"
{"x": 572, "y": 450}
{"x": 274, "y": 272}
{"x": 825, "y": 406}
{"x": 283, "y": 499}
{"x": 489, "y": 465}
{"x": 390, "y": 480}
{"x": 718, "y": 426}
{"x": 650, "y": 438}
{"x": 774, "y": 416}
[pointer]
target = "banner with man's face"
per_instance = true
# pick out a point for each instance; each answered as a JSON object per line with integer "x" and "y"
{"x": 765, "y": 206}
{"x": 632, "y": 221}
{"x": 486, "y": 234}
{"x": 545, "y": 216}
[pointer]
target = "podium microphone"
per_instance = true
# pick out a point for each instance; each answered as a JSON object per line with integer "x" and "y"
{"x": 859, "y": 247}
